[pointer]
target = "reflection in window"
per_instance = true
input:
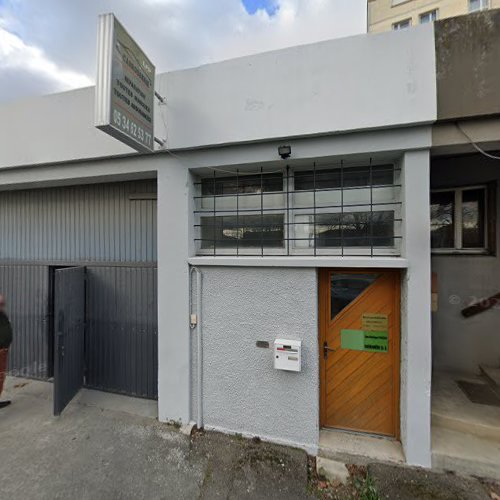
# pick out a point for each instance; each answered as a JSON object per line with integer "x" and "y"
{"x": 401, "y": 25}
{"x": 243, "y": 184}
{"x": 473, "y": 209}
{"x": 442, "y": 219}
{"x": 380, "y": 175}
{"x": 476, "y": 5}
{"x": 244, "y": 231}
{"x": 352, "y": 229}
{"x": 459, "y": 219}
{"x": 429, "y": 17}
{"x": 347, "y": 287}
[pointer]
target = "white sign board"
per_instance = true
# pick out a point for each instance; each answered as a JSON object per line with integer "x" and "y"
{"x": 125, "y": 87}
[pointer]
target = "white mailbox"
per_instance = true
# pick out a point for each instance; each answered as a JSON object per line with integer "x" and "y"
{"x": 287, "y": 355}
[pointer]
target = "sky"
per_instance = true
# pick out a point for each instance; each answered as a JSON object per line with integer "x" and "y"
{"x": 49, "y": 46}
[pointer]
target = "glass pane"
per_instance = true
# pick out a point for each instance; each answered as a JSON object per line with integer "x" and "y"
{"x": 473, "y": 210}
{"x": 428, "y": 17}
{"x": 475, "y": 5}
{"x": 245, "y": 231}
{"x": 350, "y": 177}
{"x": 265, "y": 183}
{"x": 353, "y": 229}
{"x": 442, "y": 219}
{"x": 402, "y": 25}
{"x": 347, "y": 287}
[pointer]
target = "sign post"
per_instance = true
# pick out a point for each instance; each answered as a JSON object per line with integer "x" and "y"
{"x": 125, "y": 87}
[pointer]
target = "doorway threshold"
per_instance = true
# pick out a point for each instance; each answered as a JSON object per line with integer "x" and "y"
{"x": 117, "y": 402}
{"x": 357, "y": 448}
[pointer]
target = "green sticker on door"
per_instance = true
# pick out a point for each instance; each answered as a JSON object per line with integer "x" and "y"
{"x": 361, "y": 340}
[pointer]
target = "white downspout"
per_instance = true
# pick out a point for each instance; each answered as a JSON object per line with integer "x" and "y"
{"x": 196, "y": 322}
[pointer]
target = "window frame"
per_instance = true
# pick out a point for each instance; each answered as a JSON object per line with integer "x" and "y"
{"x": 361, "y": 251}
{"x": 398, "y": 23}
{"x": 429, "y": 13}
{"x": 242, "y": 251}
{"x": 489, "y": 222}
{"x": 483, "y": 5}
{"x": 291, "y": 210}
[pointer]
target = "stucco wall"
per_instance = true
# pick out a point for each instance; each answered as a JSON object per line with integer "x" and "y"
{"x": 243, "y": 393}
{"x": 462, "y": 344}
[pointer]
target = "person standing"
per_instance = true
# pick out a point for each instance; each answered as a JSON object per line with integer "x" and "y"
{"x": 5, "y": 341}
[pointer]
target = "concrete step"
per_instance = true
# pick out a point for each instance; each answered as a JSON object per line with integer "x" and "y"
{"x": 465, "y": 453}
{"x": 361, "y": 449}
{"x": 492, "y": 374}
{"x": 480, "y": 428}
{"x": 453, "y": 410}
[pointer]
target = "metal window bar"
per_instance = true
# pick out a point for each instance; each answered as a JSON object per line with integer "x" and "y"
{"x": 342, "y": 204}
{"x": 262, "y": 212}
{"x": 371, "y": 208}
{"x": 287, "y": 220}
{"x": 215, "y": 216}
{"x": 315, "y": 236}
{"x": 237, "y": 211}
{"x": 336, "y": 229}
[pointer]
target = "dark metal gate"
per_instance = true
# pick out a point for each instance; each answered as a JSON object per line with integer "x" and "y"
{"x": 69, "y": 311}
{"x": 122, "y": 334}
{"x": 111, "y": 229}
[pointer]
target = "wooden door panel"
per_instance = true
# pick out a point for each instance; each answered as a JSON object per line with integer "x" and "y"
{"x": 360, "y": 389}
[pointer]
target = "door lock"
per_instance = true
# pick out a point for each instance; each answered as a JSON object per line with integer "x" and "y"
{"x": 326, "y": 349}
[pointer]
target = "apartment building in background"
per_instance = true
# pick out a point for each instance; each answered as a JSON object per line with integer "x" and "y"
{"x": 386, "y": 15}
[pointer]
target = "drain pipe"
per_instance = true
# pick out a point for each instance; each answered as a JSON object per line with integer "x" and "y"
{"x": 196, "y": 322}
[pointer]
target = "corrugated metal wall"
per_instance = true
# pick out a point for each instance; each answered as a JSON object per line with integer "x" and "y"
{"x": 109, "y": 227}
{"x": 79, "y": 223}
{"x": 26, "y": 289}
{"x": 122, "y": 339}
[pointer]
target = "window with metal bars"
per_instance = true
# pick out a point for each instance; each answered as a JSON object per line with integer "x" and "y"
{"x": 328, "y": 210}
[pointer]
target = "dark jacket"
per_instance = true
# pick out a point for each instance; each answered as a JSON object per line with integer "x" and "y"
{"x": 5, "y": 331}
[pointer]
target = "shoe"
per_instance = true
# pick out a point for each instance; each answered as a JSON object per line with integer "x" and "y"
{"x": 3, "y": 404}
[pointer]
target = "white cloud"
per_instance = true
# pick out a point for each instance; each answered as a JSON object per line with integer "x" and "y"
{"x": 54, "y": 40}
{"x": 17, "y": 55}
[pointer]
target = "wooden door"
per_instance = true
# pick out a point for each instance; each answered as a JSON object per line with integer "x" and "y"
{"x": 359, "y": 350}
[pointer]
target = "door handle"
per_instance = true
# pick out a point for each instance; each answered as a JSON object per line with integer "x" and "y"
{"x": 326, "y": 349}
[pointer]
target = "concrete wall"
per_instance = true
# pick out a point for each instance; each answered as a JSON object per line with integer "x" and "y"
{"x": 312, "y": 89}
{"x": 52, "y": 128}
{"x": 243, "y": 393}
{"x": 175, "y": 217}
{"x": 461, "y": 344}
{"x": 415, "y": 312}
{"x": 468, "y": 73}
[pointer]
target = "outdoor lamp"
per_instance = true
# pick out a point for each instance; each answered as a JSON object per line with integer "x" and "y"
{"x": 285, "y": 151}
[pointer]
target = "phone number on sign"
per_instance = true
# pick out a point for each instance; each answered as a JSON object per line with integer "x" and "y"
{"x": 132, "y": 129}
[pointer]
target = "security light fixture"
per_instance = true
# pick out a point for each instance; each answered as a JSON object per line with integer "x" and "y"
{"x": 285, "y": 152}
